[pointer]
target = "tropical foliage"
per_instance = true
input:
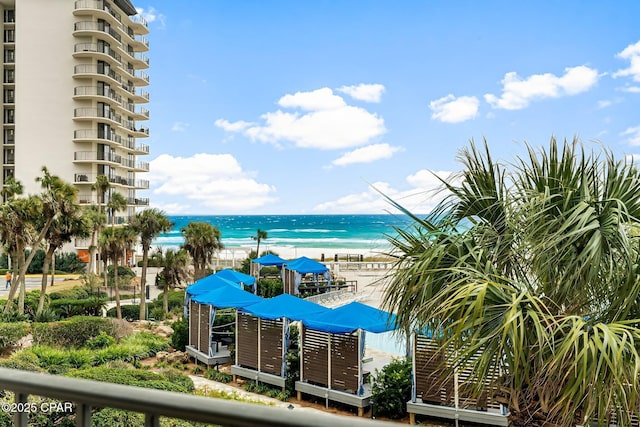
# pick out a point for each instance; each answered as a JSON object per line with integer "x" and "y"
{"x": 201, "y": 241}
{"x": 529, "y": 271}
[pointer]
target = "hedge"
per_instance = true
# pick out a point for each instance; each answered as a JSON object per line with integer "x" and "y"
{"x": 73, "y": 332}
{"x": 138, "y": 378}
{"x": 91, "y": 306}
{"x": 11, "y": 333}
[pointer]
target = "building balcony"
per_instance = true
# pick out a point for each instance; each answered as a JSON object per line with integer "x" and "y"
{"x": 139, "y": 201}
{"x": 142, "y": 167}
{"x": 142, "y": 149}
{"x": 139, "y": 78}
{"x": 86, "y": 199}
{"x": 97, "y": 8}
{"x": 96, "y": 114}
{"x": 93, "y": 50}
{"x": 84, "y": 135}
{"x": 139, "y": 24}
{"x": 141, "y": 184}
{"x": 140, "y": 96}
{"x": 95, "y": 92}
{"x": 139, "y": 60}
{"x": 140, "y": 44}
{"x": 88, "y": 70}
{"x": 95, "y": 157}
{"x": 95, "y": 29}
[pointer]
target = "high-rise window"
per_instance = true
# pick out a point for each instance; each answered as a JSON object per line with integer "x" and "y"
{"x": 9, "y": 136}
{"x": 9, "y": 75}
{"x": 9, "y": 116}
{"x": 10, "y": 36}
{"x": 9, "y": 56}
{"x": 9, "y": 16}
{"x": 9, "y": 96}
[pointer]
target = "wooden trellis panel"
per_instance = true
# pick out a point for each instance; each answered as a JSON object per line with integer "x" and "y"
{"x": 271, "y": 346}
{"x": 203, "y": 340}
{"x": 194, "y": 313}
{"x": 247, "y": 336}
{"x": 344, "y": 362}
{"x": 315, "y": 357}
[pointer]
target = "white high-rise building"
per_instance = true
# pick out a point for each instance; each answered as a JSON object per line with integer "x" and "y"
{"x": 72, "y": 85}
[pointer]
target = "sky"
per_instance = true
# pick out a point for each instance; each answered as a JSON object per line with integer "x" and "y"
{"x": 322, "y": 107}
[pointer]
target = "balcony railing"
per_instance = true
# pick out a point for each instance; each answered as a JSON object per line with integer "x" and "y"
{"x": 83, "y": 395}
{"x": 93, "y": 69}
{"x": 97, "y": 91}
{"x": 93, "y": 134}
{"x": 142, "y": 148}
{"x": 139, "y": 201}
{"x": 95, "y": 26}
{"x": 143, "y": 166}
{"x": 94, "y": 47}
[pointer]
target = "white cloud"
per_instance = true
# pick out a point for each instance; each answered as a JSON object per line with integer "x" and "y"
{"x": 214, "y": 181}
{"x": 450, "y": 109}
{"x": 232, "y": 127}
{"x": 152, "y": 15}
{"x": 364, "y": 92}
{"x": 632, "y": 54}
{"x": 328, "y": 123}
{"x": 367, "y": 154}
{"x": 518, "y": 92}
{"x": 422, "y": 197}
{"x": 316, "y": 100}
{"x": 630, "y": 89}
{"x": 180, "y": 126}
{"x": 632, "y": 135}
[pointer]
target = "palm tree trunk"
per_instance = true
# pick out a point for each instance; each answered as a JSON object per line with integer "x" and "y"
{"x": 165, "y": 297}
{"x": 143, "y": 283}
{"x": 45, "y": 270}
{"x": 115, "y": 279}
{"x": 91, "y": 268}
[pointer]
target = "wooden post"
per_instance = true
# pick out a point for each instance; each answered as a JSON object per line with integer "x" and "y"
{"x": 412, "y": 418}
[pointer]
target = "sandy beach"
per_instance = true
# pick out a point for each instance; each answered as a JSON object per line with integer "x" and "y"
{"x": 289, "y": 252}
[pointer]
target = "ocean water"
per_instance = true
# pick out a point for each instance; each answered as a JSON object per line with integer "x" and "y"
{"x": 294, "y": 231}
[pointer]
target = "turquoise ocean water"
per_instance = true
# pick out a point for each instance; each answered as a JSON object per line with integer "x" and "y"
{"x": 294, "y": 231}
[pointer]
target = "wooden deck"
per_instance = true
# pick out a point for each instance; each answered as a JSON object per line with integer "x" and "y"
{"x": 347, "y": 398}
{"x": 489, "y": 416}
{"x": 222, "y": 356}
{"x": 262, "y": 377}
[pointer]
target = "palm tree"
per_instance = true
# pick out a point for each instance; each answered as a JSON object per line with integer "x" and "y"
{"x": 201, "y": 240}
{"x": 62, "y": 230}
{"x": 116, "y": 203}
{"x": 530, "y": 272}
{"x": 95, "y": 220}
{"x": 114, "y": 242}
{"x": 148, "y": 224}
{"x": 260, "y": 235}
{"x": 102, "y": 185}
{"x": 174, "y": 272}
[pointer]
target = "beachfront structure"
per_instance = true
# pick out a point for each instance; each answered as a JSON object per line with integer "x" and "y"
{"x": 73, "y": 86}
{"x": 332, "y": 351}
{"x": 262, "y": 337}
{"x": 206, "y": 344}
{"x": 304, "y": 275}
{"x": 435, "y": 393}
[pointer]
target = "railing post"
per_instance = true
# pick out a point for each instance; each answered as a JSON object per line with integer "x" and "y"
{"x": 151, "y": 420}
{"x": 21, "y": 417}
{"x": 83, "y": 415}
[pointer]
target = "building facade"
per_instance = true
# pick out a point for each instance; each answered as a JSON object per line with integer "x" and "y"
{"x": 73, "y": 93}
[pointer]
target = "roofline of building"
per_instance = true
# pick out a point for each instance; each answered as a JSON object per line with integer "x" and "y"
{"x": 126, "y": 6}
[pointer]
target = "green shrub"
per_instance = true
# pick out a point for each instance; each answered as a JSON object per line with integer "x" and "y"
{"x": 90, "y": 289}
{"x": 157, "y": 313}
{"x": 11, "y": 333}
{"x": 268, "y": 288}
{"x": 90, "y": 306}
{"x": 177, "y": 377}
{"x": 73, "y": 332}
{"x": 24, "y": 360}
{"x": 100, "y": 341}
{"x": 218, "y": 376}
{"x": 391, "y": 389}
{"x": 137, "y": 378}
{"x": 130, "y": 312}
{"x": 13, "y": 315}
{"x": 180, "y": 336}
{"x": 110, "y": 417}
{"x": 45, "y": 316}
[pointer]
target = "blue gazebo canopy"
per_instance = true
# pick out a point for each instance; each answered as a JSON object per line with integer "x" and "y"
{"x": 304, "y": 265}
{"x": 269, "y": 260}
{"x": 351, "y": 317}
{"x": 227, "y": 297}
{"x": 210, "y": 283}
{"x": 285, "y": 305}
{"x": 236, "y": 277}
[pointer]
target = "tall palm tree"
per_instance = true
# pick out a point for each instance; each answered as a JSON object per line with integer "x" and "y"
{"x": 174, "y": 272}
{"x": 116, "y": 203}
{"x": 95, "y": 220}
{"x": 201, "y": 241}
{"x": 102, "y": 185}
{"x": 62, "y": 230}
{"x": 260, "y": 235}
{"x": 114, "y": 243}
{"x": 148, "y": 224}
{"x": 529, "y": 272}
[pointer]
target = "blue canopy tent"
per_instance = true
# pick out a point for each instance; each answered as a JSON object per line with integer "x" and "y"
{"x": 295, "y": 269}
{"x": 203, "y": 285}
{"x": 262, "y": 337}
{"x": 332, "y": 347}
{"x": 238, "y": 277}
{"x": 202, "y": 314}
{"x": 268, "y": 260}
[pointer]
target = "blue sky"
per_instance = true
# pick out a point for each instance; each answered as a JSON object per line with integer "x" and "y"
{"x": 304, "y": 107}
